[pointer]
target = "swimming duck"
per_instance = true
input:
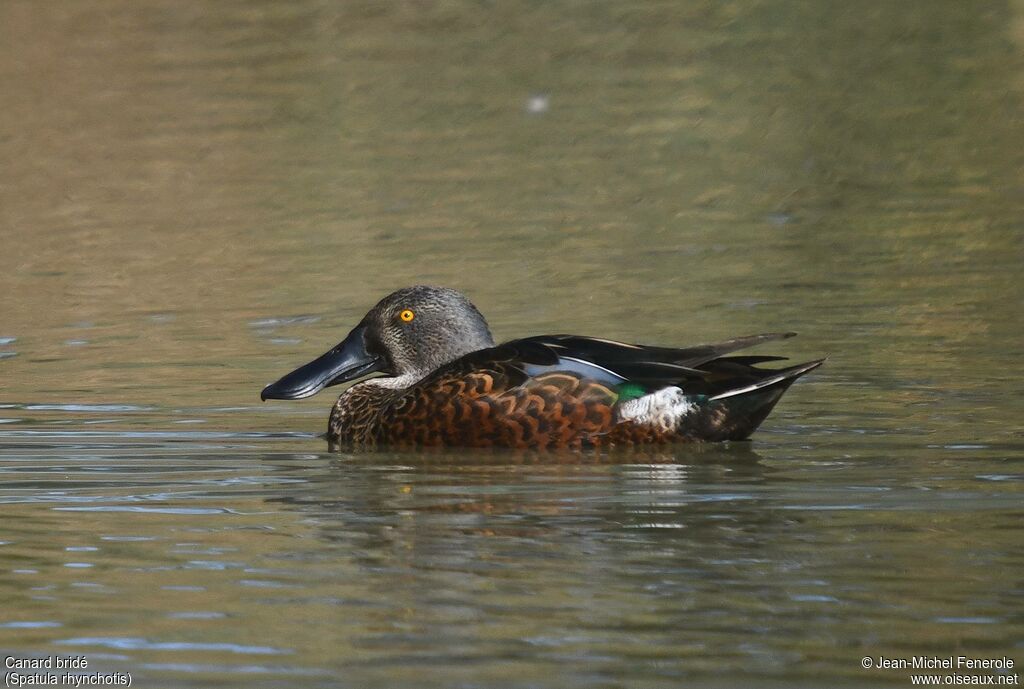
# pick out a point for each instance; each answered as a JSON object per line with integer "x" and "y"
{"x": 446, "y": 383}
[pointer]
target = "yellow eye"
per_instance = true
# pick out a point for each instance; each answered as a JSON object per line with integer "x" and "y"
{"x": 407, "y": 315}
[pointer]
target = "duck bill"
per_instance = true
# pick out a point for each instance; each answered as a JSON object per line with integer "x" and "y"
{"x": 347, "y": 361}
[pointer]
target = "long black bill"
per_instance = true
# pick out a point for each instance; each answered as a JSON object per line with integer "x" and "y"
{"x": 347, "y": 361}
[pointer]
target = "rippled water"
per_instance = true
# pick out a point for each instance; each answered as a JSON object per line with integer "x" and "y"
{"x": 196, "y": 198}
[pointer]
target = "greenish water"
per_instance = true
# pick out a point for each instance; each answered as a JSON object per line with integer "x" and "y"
{"x": 196, "y": 197}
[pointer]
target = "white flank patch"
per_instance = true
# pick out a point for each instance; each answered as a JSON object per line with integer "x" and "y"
{"x": 664, "y": 408}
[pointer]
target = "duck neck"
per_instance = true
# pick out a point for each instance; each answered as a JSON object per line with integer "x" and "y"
{"x": 394, "y": 382}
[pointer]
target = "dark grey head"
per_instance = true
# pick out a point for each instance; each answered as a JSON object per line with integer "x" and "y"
{"x": 418, "y": 329}
{"x": 408, "y": 334}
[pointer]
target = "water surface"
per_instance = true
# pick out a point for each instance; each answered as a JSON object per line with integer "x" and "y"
{"x": 197, "y": 198}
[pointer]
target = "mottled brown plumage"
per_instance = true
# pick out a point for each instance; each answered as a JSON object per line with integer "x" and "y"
{"x": 446, "y": 384}
{"x": 482, "y": 408}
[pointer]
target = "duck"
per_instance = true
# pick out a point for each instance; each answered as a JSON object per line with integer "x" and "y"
{"x": 430, "y": 375}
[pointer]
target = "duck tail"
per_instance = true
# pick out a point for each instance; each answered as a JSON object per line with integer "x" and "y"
{"x": 736, "y": 413}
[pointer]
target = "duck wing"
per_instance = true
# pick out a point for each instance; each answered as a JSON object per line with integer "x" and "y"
{"x": 612, "y": 352}
{"x": 701, "y": 369}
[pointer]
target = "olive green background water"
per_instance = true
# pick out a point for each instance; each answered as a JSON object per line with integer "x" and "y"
{"x": 196, "y": 197}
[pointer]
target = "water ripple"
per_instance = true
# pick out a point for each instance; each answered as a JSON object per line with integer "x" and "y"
{"x": 140, "y": 644}
{"x": 239, "y": 669}
{"x": 150, "y": 510}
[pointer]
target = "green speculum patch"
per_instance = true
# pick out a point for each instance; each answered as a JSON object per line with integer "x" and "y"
{"x": 631, "y": 391}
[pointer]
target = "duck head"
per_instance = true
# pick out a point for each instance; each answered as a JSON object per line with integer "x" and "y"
{"x": 408, "y": 334}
